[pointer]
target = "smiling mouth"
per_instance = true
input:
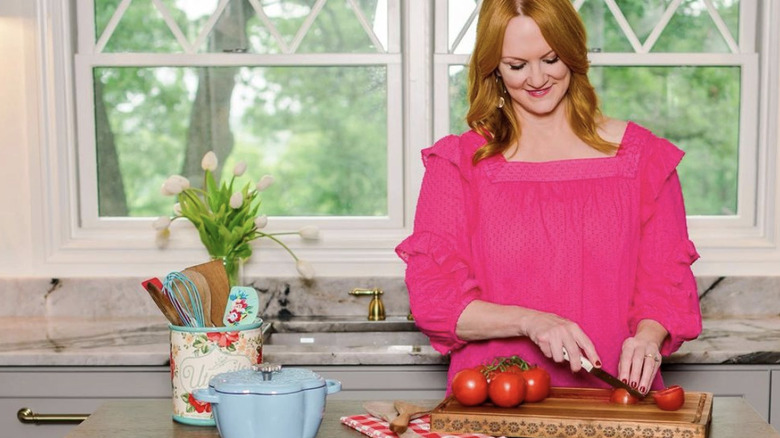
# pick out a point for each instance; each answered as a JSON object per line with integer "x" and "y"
{"x": 539, "y": 93}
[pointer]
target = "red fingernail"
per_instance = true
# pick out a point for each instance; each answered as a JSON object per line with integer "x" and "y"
{"x": 598, "y": 363}
{"x": 633, "y": 385}
{"x": 625, "y": 381}
{"x": 642, "y": 389}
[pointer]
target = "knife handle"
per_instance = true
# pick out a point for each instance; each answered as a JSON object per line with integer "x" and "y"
{"x": 586, "y": 364}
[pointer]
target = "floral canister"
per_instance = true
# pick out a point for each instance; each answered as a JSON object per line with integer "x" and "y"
{"x": 200, "y": 353}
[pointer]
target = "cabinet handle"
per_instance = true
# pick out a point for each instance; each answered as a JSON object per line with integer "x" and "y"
{"x": 27, "y": 416}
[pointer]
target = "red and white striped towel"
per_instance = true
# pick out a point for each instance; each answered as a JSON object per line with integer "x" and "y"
{"x": 376, "y": 428}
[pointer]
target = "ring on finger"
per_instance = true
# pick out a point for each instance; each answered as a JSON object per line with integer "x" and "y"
{"x": 651, "y": 355}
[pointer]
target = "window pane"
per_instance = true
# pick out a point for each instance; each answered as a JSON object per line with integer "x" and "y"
{"x": 320, "y": 131}
{"x": 697, "y": 108}
{"x": 693, "y": 28}
{"x": 291, "y": 26}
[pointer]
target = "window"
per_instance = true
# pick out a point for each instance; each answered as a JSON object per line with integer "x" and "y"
{"x": 335, "y": 98}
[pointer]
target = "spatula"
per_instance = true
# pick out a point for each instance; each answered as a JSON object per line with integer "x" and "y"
{"x": 204, "y": 291}
{"x": 384, "y": 410}
{"x": 406, "y": 412}
{"x": 219, "y": 285}
{"x": 154, "y": 287}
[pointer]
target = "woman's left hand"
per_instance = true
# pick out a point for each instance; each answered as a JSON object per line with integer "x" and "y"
{"x": 640, "y": 358}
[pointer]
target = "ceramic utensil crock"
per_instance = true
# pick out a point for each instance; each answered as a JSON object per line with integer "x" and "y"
{"x": 200, "y": 353}
{"x": 268, "y": 402}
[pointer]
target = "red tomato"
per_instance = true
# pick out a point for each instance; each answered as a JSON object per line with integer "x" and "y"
{"x": 537, "y": 384}
{"x": 670, "y": 399}
{"x": 507, "y": 389}
{"x": 470, "y": 387}
{"x": 621, "y": 396}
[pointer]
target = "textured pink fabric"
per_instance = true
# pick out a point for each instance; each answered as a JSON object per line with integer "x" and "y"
{"x": 601, "y": 241}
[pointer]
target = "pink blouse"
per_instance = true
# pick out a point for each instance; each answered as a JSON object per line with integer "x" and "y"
{"x": 600, "y": 241}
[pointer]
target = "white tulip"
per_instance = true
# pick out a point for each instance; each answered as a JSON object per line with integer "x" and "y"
{"x": 309, "y": 232}
{"x": 240, "y": 168}
{"x": 261, "y": 221}
{"x": 182, "y": 181}
{"x": 172, "y": 186}
{"x": 161, "y": 239}
{"x": 209, "y": 161}
{"x": 161, "y": 223}
{"x": 265, "y": 182}
{"x": 236, "y": 200}
{"x": 305, "y": 269}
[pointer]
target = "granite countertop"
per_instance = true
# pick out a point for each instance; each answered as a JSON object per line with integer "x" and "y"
{"x": 63, "y": 341}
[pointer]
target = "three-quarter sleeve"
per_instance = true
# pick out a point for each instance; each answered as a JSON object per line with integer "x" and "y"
{"x": 439, "y": 276}
{"x": 665, "y": 286}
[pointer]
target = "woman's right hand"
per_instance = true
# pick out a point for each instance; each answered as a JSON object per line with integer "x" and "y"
{"x": 552, "y": 333}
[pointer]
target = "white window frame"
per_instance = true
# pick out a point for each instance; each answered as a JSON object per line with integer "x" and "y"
{"x": 71, "y": 246}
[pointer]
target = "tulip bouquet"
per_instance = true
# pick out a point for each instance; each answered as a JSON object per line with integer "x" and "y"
{"x": 226, "y": 217}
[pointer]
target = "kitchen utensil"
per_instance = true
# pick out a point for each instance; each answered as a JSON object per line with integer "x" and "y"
{"x": 219, "y": 285}
{"x": 184, "y": 295}
{"x": 268, "y": 401}
{"x": 605, "y": 376}
{"x": 202, "y": 286}
{"x": 242, "y": 306}
{"x": 154, "y": 287}
{"x": 575, "y": 412}
{"x": 385, "y": 410}
{"x": 406, "y": 412}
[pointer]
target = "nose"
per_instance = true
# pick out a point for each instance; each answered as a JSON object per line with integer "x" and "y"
{"x": 536, "y": 76}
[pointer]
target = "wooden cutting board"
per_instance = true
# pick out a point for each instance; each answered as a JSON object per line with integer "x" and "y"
{"x": 578, "y": 412}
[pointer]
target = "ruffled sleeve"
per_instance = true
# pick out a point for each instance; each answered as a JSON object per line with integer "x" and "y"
{"x": 665, "y": 288}
{"x": 439, "y": 276}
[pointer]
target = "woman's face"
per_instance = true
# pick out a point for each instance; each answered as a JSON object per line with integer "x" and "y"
{"x": 535, "y": 78}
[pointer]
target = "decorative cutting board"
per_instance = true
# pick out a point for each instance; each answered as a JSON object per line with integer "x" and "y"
{"x": 578, "y": 412}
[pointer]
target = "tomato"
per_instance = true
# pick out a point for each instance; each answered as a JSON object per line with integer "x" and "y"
{"x": 670, "y": 399}
{"x": 470, "y": 387}
{"x": 507, "y": 389}
{"x": 537, "y": 384}
{"x": 621, "y": 396}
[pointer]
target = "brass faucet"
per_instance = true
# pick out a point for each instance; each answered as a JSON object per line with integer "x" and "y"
{"x": 376, "y": 308}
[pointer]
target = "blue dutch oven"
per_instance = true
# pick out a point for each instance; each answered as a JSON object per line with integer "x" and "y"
{"x": 268, "y": 401}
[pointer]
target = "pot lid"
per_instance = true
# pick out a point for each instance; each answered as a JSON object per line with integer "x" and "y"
{"x": 267, "y": 379}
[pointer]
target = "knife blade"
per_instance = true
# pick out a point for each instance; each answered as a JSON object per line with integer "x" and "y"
{"x": 605, "y": 376}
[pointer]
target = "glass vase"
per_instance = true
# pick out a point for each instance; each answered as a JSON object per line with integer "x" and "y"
{"x": 234, "y": 266}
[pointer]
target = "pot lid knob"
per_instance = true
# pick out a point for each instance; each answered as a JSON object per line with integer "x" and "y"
{"x": 268, "y": 369}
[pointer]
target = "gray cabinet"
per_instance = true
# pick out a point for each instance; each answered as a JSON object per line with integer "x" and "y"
{"x": 71, "y": 390}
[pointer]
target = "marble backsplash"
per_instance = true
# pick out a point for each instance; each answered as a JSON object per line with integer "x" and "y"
{"x": 124, "y": 297}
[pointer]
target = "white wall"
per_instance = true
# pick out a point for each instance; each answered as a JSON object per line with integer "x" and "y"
{"x": 17, "y": 135}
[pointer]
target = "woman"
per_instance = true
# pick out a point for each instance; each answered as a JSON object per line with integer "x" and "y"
{"x": 549, "y": 226}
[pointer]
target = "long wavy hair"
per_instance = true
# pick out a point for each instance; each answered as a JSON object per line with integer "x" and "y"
{"x": 564, "y": 31}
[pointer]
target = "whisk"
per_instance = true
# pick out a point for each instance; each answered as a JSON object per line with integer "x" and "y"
{"x": 184, "y": 295}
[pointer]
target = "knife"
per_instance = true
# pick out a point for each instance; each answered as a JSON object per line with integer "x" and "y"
{"x": 605, "y": 376}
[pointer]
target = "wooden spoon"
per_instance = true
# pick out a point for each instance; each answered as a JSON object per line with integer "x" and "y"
{"x": 219, "y": 286}
{"x": 406, "y": 412}
{"x": 204, "y": 292}
{"x": 154, "y": 287}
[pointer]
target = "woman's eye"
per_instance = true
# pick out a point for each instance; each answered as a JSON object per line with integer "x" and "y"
{"x": 552, "y": 60}
{"x": 516, "y": 66}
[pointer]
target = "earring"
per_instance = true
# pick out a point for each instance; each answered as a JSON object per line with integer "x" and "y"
{"x": 500, "y": 102}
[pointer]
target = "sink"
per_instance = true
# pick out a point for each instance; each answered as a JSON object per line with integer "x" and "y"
{"x": 347, "y": 339}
